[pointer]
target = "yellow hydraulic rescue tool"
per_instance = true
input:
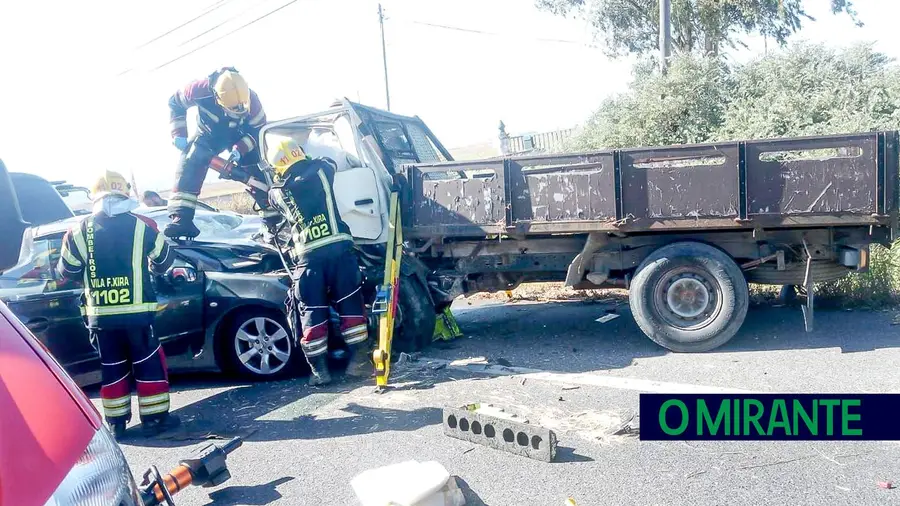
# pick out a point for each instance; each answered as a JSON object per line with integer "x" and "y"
{"x": 386, "y": 300}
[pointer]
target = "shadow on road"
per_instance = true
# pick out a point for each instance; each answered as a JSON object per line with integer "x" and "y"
{"x": 566, "y": 454}
{"x": 563, "y": 337}
{"x": 472, "y": 499}
{"x": 558, "y": 335}
{"x": 280, "y": 411}
{"x": 256, "y": 495}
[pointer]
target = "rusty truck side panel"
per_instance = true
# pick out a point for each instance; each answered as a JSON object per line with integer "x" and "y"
{"x": 774, "y": 183}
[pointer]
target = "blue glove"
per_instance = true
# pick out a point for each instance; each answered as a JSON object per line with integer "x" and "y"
{"x": 181, "y": 143}
{"x": 235, "y": 154}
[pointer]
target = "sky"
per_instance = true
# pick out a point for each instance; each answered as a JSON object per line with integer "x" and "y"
{"x": 85, "y": 84}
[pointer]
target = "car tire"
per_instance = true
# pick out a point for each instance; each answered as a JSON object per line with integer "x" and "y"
{"x": 414, "y": 327}
{"x": 689, "y": 297}
{"x": 251, "y": 335}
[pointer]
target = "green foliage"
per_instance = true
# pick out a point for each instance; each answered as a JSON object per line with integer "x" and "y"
{"x": 814, "y": 90}
{"x": 804, "y": 90}
{"x": 707, "y": 26}
{"x": 686, "y": 105}
{"x": 878, "y": 287}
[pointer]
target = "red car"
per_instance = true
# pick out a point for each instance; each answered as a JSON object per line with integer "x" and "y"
{"x": 54, "y": 448}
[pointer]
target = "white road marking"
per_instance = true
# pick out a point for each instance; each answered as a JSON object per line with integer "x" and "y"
{"x": 641, "y": 385}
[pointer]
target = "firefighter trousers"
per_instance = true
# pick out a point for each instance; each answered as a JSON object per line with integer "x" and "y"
{"x": 128, "y": 354}
{"x": 328, "y": 279}
{"x": 193, "y": 166}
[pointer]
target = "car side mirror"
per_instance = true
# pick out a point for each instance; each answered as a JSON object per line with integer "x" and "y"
{"x": 12, "y": 226}
{"x": 181, "y": 275}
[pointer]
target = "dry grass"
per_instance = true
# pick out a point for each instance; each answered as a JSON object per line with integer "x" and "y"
{"x": 548, "y": 292}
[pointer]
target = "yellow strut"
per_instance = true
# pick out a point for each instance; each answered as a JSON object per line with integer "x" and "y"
{"x": 382, "y": 355}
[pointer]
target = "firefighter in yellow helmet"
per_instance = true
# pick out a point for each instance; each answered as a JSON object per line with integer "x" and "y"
{"x": 113, "y": 252}
{"x": 327, "y": 274}
{"x": 230, "y": 118}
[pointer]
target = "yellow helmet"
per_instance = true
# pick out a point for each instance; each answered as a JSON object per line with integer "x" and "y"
{"x": 284, "y": 154}
{"x": 232, "y": 93}
{"x": 110, "y": 183}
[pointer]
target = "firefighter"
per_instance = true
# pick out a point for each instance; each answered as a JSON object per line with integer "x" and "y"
{"x": 230, "y": 118}
{"x": 113, "y": 252}
{"x": 327, "y": 274}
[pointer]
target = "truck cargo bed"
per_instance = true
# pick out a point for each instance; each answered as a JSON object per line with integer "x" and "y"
{"x": 840, "y": 180}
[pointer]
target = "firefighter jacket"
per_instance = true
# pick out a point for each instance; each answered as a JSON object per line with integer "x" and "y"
{"x": 110, "y": 254}
{"x": 213, "y": 119}
{"x": 305, "y": 197}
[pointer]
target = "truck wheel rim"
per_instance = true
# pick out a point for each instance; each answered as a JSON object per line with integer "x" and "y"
{"x": 688, "y": 299}
{"x": 262, "y": 345}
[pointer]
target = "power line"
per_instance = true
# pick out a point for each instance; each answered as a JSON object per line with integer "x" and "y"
{"x": 215, "y": 6}
{"x": 482, "y": 32}
{"x": 223, "y": 36}
{"x": 232, "y": 18}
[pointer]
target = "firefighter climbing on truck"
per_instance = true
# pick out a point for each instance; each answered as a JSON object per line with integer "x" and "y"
{"x": 327, "y": 273}
{"x": 113, "y": 252}
{"x": 230, "y": 118}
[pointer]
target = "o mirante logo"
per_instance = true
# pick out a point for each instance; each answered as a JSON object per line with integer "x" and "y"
{"x": 769, "y": 416}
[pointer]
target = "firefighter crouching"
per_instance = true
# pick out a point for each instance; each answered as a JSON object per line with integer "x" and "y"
{"x": 110, "y": 251}
{"x": 230, "y": 118}
{"x": 327, "y": 273}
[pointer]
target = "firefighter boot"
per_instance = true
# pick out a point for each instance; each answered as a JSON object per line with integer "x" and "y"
{"x": 360, "y": 365}
{"x": 118, "y": 428}
{"x": 319, "y": 368}
{"x": 161, "y": 424}
{"x": 182, "y": 225}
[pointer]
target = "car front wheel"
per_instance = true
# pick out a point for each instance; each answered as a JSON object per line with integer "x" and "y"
{"x": 257, "y": 344}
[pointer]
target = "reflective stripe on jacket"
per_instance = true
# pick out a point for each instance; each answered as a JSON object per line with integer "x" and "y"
{"x": 306, "y": 199}
{"x": 114, "y": 256}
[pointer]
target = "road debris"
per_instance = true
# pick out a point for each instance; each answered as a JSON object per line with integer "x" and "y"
{"x": 607, "y": 318}
{"x": 492, "y": 426}
{"x": 570, "y": 388}
{"x": 887, "y": 485}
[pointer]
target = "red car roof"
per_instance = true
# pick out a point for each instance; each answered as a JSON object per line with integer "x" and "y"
{"x": 46, "y": 422}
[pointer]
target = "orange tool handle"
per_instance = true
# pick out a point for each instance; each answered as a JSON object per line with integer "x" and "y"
{"x": 176, "y": 480}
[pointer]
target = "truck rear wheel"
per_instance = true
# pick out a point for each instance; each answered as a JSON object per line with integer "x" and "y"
{"x": 689, "y": 297}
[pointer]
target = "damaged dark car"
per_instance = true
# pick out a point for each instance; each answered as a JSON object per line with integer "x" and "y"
{"x": 220, "y": 304}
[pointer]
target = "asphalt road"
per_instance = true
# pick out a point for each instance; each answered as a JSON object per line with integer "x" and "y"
{"x": 304, "y": 445}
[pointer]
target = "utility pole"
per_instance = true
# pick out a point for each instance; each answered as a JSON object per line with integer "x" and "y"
{"x": 665, "y": 34}
{"x": 387, "y": 92}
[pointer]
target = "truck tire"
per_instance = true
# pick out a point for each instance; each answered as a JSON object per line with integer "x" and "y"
{"x": 689, "y": 297}
{"x": 414, "y": 326}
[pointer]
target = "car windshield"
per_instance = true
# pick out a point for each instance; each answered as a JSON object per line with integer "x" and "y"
{"x": 35, "y": 272}
{"x": 210, "y": 224}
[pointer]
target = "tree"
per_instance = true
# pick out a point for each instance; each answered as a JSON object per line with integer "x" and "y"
{"x": 707, "y": 26}
{"x": 807, "y": 89}
{"x": 814, "y": 90}
{"x": 686, "y": 105}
